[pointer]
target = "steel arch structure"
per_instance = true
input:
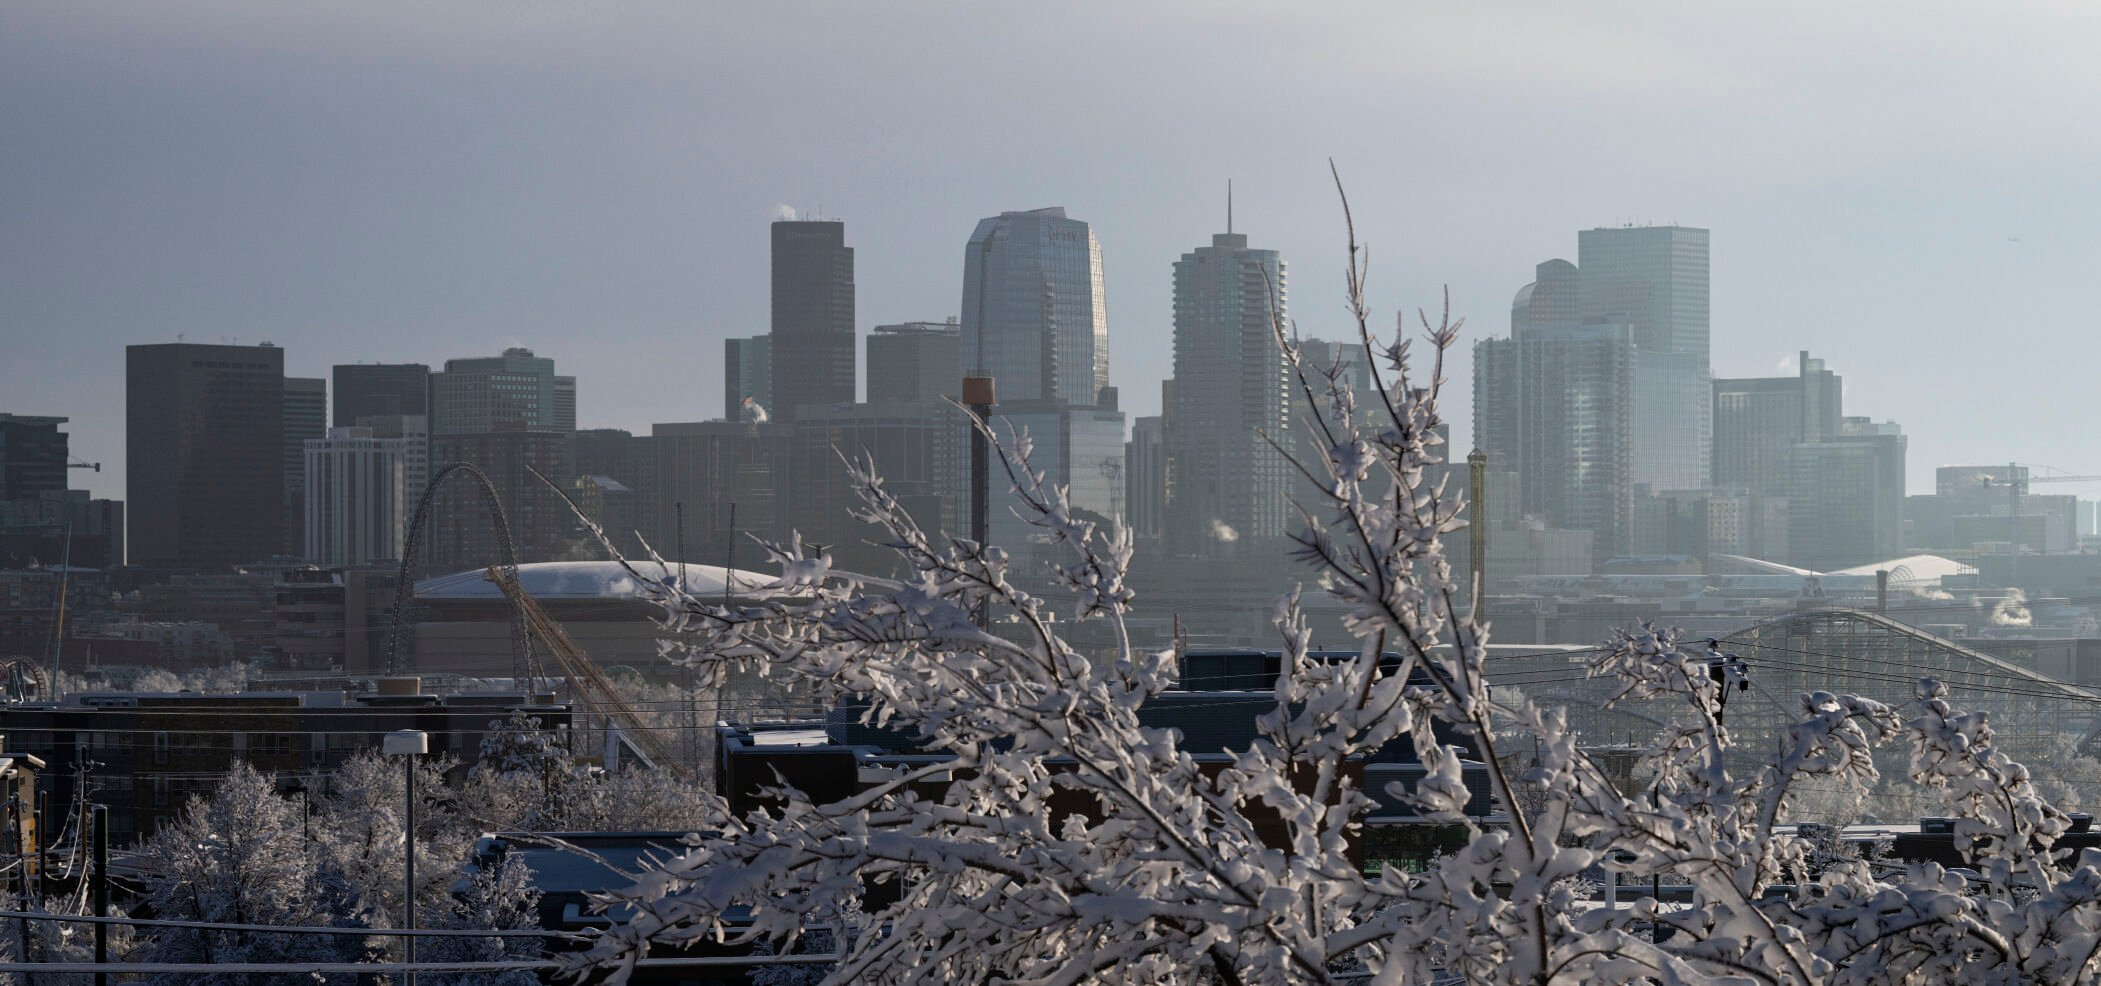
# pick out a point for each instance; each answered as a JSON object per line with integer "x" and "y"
{"x": 524, "y": 665}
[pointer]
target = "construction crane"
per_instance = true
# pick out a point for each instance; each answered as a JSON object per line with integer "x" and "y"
{"x": 590, "y": 684}
{"x": 2016, "y": 482}
{"x": 76, "y": 462}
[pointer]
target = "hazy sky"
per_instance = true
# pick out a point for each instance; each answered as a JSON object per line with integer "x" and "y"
{"x": 1906, "y": 189}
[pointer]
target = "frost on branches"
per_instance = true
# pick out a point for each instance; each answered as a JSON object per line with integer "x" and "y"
{"x": 1164, "y": 878}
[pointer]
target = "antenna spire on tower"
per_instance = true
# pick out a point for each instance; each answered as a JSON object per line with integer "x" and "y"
{"x": 1229, "y": 205}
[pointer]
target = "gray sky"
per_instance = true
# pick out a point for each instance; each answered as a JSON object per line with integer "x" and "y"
{"x": 1904, "y": 189}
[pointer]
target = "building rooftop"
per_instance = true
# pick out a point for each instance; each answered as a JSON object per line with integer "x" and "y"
{"x": 590, "y": 580}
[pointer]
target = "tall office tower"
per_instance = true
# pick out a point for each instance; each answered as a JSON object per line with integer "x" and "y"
{"x": 516, "y": 390}
{"x": 1654, "y": 275}
{"x": 204, "y": 454}
{"x": 1232, "y": 398}
{"x": 713, "y": 490}
{"x": 1082, "y": 447}
{"x": 462, "y": 530}
{"x": 914, "y": 362}
{"x": 1655, "y": 279}
{"x": 813, "y": 316}
{"x": 1757, "y": 420}
{"x": 1034, "y": 315}
{"x": 1348, "y": 357}
{"x": 371, "y": 390}
{"x": 1846, "y": 501}
{"x": 305, "y": 419}
{"x": 1145, "y": 478}
{"x": 1556, "y": 405}
{"x": 747, "y": 371}
{"x": 502, "y": 414}
{"x": 33, "y": 456}
{"x": 355, "y": 500}
{"x": 414, "y": 432}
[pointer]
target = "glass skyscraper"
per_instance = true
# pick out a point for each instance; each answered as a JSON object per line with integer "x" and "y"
{"x": 1034, "y": 316}
{"x": 1654, "y": 275}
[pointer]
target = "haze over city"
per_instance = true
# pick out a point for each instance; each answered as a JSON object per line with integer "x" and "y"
{"x": 1897, "y": 188}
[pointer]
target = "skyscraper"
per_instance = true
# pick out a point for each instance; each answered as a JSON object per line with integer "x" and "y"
{"x": 33, "y": 456}
{"x": 1654, "y": 275}
{"x": 1034, "y": 314}
{"x": 747, "y": 371}
{"x": 1232, "y": 398}
{"x": 1758, "y": 419}
{"x": 204, "y": 451}
{"x": 1654, "y": 278}
{"x": 370, "y": 390}
{"x": 355, "y": 499}
{"x": 1846, "y": 503}
{"x": 482, "y": 394}
{"x": 504, "y": 414}
{"x": 813, "y": 316}
{"x": 1145, "y": 478}
{"x": 305, "y": 419}
{"x": 414, "y": 431}
{"x": 913, "y": 362}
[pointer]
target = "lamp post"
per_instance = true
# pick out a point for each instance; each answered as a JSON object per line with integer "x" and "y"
{"x": 408, "y": 744}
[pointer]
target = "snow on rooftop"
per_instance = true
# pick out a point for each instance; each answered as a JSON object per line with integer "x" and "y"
{"x": 589, "y": 580}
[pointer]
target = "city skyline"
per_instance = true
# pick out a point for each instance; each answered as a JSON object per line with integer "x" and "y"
{"x": 1837, "y": 198}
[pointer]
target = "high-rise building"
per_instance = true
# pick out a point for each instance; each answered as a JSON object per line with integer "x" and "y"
{"x": 1034, "y": 314}
{"x": 1145, "y": 478}
{"x": 305, "y": 419}
{"x": 1847, "y": 502}
{"x": 1232, "y": 399}
{"x": 372, "y": 390}
{"x": 747, "y": 373}
{"x": 914, "y": 362}
{"x": 919, "y": 450}
{"x": 414, "y": 432}
{"x": 33, "y": 456}
{"x": 1556, "y": 405}
{"x": 355, "y": 501}
{"x": 204, "y": 454}
{"x": 1642, "y": 290}
{"x": 1757, "y": 420}
{"x": 462, "y": 529}
{"x": 813, "y": 316}
{"x": 516, "y": 390}
{"x": 1081, "y": 447}
{"x": 714, "y": 489}
{"x": 503, "y": 414}
{"x": 1656, "y": 276}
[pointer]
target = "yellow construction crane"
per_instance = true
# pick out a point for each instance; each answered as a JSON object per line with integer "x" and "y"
{"x": 590, "y": 684}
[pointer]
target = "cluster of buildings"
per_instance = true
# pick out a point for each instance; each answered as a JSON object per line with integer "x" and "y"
{"x": 1608, "y": 449}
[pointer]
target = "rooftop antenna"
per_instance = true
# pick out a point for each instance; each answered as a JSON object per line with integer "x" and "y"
{"x": 1229, "y": 206}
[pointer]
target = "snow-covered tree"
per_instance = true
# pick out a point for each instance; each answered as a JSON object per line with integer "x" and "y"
{"x": 1168, "y": 877}
{"x": 239, "y": 856}
{"x": 358, "y": 835}
{"x": 500, "y": 898}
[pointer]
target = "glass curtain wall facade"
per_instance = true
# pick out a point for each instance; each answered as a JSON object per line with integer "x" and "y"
{"x": 1034, "y": 314}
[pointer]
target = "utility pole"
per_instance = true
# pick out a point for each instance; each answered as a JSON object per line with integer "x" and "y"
{"x": 101, "y": 890}
{"x": 978, "y": 393}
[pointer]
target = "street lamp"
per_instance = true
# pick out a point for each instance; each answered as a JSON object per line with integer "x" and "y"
{"x": 408, "y": 744}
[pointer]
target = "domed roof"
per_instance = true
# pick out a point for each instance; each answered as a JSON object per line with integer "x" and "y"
{"x": 589, "y": 580}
